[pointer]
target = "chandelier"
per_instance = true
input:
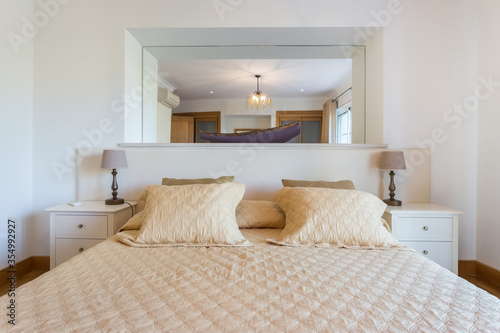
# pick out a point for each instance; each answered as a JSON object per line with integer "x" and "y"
{"x": 258, "y": 97}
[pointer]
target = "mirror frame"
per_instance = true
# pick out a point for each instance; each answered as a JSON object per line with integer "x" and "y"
{"x": 137, "y": 39}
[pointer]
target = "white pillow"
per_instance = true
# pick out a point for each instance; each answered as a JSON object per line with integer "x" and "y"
{"x": 188, "y": 215}
{"x": 259, "y": 214}
{"x": 331, "y": 217}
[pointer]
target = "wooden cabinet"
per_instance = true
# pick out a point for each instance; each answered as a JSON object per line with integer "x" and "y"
{"x": 74, "y": 229}
{"x": 431, "y": 230}
{"x": 311, "y": 124}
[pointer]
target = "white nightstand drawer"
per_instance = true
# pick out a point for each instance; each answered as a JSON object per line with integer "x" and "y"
{"x": 68, "y": 248}
{"x": 425, "y": 228}
{"x": 81, "y": 226}
{"x": 439, "y": 252}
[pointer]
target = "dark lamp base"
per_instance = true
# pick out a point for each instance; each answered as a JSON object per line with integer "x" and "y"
{"x": 393, "y": 202}
{"x": 111, "y": 201}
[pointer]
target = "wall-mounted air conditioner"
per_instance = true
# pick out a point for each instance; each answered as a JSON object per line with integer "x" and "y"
{"x": 168, "y": 98}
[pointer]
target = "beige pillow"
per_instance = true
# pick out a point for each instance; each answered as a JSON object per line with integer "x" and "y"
{"x": 330, "y": 217}
{"x": 189, "y": 215}
{"x": 259, "y": 214}
{"x": 134, "y": 223}
{"x": 249, "y": 214}
{"x": 341, "y": 184}
{"x": 175, "y": 181}
{"x": 141, "y": 202}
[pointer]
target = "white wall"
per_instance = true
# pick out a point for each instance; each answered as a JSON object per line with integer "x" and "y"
{"x": 374, "y": 101}
{"x": 488, "y": 163}
{"x": 130, "y": 104}
{"x": 259, "y": 166}
{"x": 16, "y": 144}
{"x": 164, "y": 123}
{"x": 430, "y": 64}
{"x": 78, "y": 94}
{"x": 150, "y": 97}
{"x": 358, "y": 100}
{"x": 79, "y": 82}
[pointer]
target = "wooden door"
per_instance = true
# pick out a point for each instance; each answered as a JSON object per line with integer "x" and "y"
{"x": 182, "y": 129}
{"x": 208, "y": 121}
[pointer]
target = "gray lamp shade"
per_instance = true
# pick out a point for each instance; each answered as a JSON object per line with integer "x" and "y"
{"x": 392, "y": 160}
{"x": 114, "y": 159}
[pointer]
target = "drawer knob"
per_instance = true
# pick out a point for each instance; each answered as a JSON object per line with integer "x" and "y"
{"x": 80, "y": 226}
{"x": 425, "y": 252}
{"x": 80, "y": 249}
{"x": 426, "y": 228}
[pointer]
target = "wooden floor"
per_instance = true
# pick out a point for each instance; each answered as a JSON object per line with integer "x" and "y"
{"x": 4, "y": 289}
{"x": 494, "y": 290}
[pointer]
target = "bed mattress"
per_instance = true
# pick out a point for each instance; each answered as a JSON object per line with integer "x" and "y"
{"x": 265, "y": 287}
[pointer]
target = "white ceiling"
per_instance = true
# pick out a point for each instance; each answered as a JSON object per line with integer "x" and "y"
{"x": 235, "y": 78}
{"x": 225, "y": 60}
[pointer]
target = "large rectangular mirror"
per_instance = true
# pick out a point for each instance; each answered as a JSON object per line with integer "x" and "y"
{"x": 321, "y": 86}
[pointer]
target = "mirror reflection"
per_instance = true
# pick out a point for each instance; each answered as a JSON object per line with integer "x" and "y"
{"x": 236, "y": 89}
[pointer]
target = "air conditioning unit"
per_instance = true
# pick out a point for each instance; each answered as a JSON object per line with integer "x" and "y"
{"x": 168, "y": 98}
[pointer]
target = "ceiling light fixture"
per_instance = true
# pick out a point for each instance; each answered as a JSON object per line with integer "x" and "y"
{"x": 258, "y": 97}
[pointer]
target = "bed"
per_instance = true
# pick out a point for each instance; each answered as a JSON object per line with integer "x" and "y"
{"x": 258, "y": 285}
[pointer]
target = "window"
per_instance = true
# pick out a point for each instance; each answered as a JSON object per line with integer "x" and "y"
{"x": 344, "y": 124}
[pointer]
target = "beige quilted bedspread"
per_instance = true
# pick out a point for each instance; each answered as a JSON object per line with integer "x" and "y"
{"x": 269, "y": 288}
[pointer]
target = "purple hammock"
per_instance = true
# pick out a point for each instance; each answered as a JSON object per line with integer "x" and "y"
{"x": 269, "y": 135}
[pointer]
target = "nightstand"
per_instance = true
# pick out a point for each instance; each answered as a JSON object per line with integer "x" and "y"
{"x": 431, "y": 230}
{"x": 73, "y": 229}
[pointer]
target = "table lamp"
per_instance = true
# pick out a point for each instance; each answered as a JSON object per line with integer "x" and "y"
{"x": 392, "y": 160}
{"x": 114, "y": 159}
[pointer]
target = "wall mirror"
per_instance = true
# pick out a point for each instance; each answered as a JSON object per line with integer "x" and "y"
{"x": 299, "y": 81}
{"x": 304, "y": 71}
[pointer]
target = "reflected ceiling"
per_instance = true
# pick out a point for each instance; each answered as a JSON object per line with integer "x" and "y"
{"x": 235, "y": 78}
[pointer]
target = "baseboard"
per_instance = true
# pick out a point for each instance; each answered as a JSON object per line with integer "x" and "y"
{"x": 24, "y": 267}
{"x": 480, "y": 270}
{"x": 488, "y": 273}
{"x": 41, "y": 263}
{"x": 466, "y": 267}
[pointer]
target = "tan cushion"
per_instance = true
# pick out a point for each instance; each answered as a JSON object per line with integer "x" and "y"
{"x": 329, "y": 217}
{"x": 249, "y": 214}
{"x": 190, "y": 215}
{"x": 259, "y": 214}
{"x": 175, "y": 181}
{"x": 134, "y": 223}
{"x": 386, "y": 225}
{"x": 341, "y": 184}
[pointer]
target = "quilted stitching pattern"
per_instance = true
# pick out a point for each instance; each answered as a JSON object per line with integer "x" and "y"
{"x": 199, "y": 214}
{"x": 345, "y": 218}
{"x": 117, "y": 288}
{"x": 259, "y": 214}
